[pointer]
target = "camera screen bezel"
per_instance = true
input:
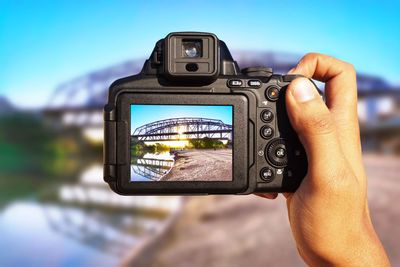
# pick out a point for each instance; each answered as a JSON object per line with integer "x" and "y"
{"x": 239, "y": 181}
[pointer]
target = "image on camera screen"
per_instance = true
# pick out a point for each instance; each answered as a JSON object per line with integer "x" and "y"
{"x": 181, "y": 143}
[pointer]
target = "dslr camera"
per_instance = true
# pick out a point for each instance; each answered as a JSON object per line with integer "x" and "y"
{"x": 192, "y": 122}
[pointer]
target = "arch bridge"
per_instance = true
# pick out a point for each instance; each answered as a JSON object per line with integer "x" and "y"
{"x": 176, "y": 129}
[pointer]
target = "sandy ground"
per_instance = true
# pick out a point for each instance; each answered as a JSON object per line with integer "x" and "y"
{"x": 251, "y": 231}
{"x": 202, "y": 165}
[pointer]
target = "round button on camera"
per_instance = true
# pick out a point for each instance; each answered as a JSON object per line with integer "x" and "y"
{"x": 266, "y": 132}
{"x": 280, "y": 152}
{"x": 267, "y": 174}
{"x": 276, "y": 153}
{"x": 272, "y": 93}
{"x": 267, "y": 115}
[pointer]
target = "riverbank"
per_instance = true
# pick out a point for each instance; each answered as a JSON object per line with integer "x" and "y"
{"x": 201, "y": 165}
{"x": 233, "y": 231}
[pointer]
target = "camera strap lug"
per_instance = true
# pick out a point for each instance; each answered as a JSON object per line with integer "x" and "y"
{"x": 110, "y": 145}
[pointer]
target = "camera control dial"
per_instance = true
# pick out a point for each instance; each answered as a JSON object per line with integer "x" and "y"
{"x": 276, "y": 153}
{"x": 257, "y": 71}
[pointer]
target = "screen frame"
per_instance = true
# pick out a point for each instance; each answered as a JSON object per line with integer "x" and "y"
{"x": 239, "y": 182}
{"x": 227, "y": 178}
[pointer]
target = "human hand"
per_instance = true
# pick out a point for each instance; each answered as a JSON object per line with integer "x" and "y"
{"x": 328, "y": 213}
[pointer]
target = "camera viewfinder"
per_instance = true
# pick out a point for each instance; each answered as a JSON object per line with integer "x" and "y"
{"x": 192, "y": 48}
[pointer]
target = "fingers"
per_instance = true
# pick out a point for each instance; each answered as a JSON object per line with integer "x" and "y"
{"x": 273, "y": 195}
{"x": 267, "y": 195}
{"x": 312, "y": 121}
{"x": 341, "y": 99}
{"x": 339, "y": 76}
{"x": 340, "y": 89}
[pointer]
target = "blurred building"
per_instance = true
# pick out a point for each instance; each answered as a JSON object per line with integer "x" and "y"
{"x": 78, "y": 103}
{"x": 5, "y": 106}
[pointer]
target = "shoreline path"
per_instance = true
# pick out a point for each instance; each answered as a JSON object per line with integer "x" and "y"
{"x": 202, "y": 165}
{"x": 235, "y": 231}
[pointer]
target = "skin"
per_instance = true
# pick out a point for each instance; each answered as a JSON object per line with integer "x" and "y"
{"x": 328, "y": 214}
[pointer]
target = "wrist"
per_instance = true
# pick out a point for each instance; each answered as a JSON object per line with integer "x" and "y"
{"x": 356, "y": 248}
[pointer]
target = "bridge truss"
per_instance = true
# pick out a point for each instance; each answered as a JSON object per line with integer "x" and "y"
{"x": 176, "y": 129}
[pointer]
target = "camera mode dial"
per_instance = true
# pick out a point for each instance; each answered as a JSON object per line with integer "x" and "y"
{"x": 257, "y": 71}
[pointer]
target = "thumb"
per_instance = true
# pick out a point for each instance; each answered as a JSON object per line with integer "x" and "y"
{"x": 312, "y": 121}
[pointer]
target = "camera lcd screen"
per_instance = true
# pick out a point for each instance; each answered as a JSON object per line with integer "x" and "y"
{"x": 181, "y": 143}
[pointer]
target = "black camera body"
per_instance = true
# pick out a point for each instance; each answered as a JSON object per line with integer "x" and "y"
{"x": 191, "y": 122}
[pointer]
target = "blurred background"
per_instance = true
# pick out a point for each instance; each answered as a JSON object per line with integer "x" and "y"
{"x": 58, "y": 59}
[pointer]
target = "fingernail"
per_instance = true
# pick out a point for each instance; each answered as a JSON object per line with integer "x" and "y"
{"x": 303, "y": 90}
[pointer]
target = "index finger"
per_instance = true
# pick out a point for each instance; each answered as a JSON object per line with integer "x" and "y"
{"x": 339, "y": 76}
{"x": 341, "y": 98}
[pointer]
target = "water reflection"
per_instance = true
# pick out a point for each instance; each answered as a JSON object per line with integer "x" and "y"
{"x": 151, "y": 167}
{"x": 82, "y": 223}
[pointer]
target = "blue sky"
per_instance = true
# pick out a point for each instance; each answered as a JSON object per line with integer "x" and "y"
{"x": 44, "y": 43}
{"x": 143, "y": 114}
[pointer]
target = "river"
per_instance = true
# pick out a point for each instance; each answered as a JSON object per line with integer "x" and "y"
{"x": 79, "y": 223}
{"x": 151, "y": 166}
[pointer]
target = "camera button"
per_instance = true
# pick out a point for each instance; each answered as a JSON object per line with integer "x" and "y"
{"x": 267, "y": 174}
{"x": 277, "y": 153}
{"x": 254, "y": 83}
{"x": 272, "y": 93}
{"x": 266, "y": 132}
{"x": 235, "y": 83}
{"x": 280, "y": 152}
{"x": 267, "y": 115}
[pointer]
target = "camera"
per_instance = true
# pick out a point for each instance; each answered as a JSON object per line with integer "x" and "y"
{"x": 192, "y": 122}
